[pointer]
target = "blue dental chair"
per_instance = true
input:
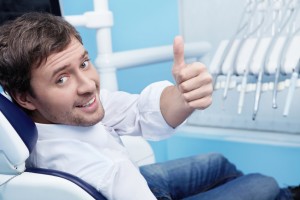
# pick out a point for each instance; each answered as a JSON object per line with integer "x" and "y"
{"x": 18, "y": 136}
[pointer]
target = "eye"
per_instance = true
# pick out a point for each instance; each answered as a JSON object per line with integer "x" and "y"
{"x": 62, "y": 80}
{"x": 85, "y": 64}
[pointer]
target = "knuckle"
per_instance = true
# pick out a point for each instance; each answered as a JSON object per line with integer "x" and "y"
{"x": 202, "y": 104}
{"x": 207, "y": 102}
{"x": 201, "y": 66}
{"x": 209, "y": 78}
{"x": 191, "y": 105}
{"x": 174, "y": 70}
{"x": 186, "y": 97}
{"x": 184, "y": 87}
{"x": 181, "y": 75}
{"x": 210, "y": 89}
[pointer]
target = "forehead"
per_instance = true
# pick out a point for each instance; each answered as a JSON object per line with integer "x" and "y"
{"x": 73, "y": 51}
{"x": 75, "y": 48}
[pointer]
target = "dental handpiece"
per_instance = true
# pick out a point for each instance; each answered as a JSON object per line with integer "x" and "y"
{"x": 241, "y": 27}
{"x": 292, "y": 14}
{"x": 258, "y": 93}
{"x": 230, "y": 71}
{"x": 241, "y": 44}
{"x": 262, "y": 69}
{"x": 278, "y": 68}
{"x": 247, "y": 69}
{"x": 245, "y": 77}
{"x": 291, "y": 91}
{"x": 242, "y": 92}
{"x": 224, "y": 56}
{"x": 260, "y": 76}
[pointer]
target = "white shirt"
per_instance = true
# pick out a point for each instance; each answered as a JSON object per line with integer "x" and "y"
{"x": 95, "y": 154}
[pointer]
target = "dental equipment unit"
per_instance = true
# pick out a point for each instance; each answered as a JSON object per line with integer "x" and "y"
{"x": 259, "y": 53}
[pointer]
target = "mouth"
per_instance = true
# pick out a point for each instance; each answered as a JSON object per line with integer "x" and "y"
{"x": 90, "y": 102}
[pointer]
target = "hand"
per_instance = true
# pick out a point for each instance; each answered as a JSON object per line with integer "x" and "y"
{"x": 193, "y": 80}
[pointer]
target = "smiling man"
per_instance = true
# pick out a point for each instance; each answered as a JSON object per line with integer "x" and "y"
{"x": 45, "y": 68}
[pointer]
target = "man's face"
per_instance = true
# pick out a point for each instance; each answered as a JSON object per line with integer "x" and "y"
{"x": 66, "y": 89}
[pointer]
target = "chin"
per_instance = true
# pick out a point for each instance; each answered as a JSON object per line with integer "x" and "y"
{"x": 89, "y": 121}
{"x": 84, "y": 122}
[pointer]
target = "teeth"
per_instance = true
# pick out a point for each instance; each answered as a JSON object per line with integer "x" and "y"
{"x": 88, "y": 103}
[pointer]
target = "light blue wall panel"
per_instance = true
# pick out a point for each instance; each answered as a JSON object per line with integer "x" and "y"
{"x": 140, "y": 24}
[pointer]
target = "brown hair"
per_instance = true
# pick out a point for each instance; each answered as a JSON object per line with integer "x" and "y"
{"x": 26, "y": 43}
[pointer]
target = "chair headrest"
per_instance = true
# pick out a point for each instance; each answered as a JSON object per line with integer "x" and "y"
{"x": 18, "y": 136}
{"x": 20, "y": 121}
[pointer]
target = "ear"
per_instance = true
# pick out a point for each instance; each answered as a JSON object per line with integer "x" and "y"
{"x": 24, "y": 100}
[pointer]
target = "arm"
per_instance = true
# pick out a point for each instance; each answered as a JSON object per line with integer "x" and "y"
{"x": 138, "y": 115}
{"x": 193, "y": 89}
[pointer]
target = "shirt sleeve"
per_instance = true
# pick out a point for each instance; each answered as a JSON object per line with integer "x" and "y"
{"x": 139, "y": 115}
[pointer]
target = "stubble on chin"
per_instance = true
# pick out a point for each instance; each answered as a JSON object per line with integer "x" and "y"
{"x": 80, "y": 121}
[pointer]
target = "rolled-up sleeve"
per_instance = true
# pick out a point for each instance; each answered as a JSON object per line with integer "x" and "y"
{"x": 140, "y": 115}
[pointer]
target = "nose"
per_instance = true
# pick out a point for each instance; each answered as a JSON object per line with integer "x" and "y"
{"x": 86, "y": 84}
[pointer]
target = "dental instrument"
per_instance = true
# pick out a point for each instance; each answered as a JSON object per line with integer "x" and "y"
{"x": 292, "y": 9}
{"x": 290, "y": 45}
{"x": 243, "y": 24}
{"x": 246, "y": 36}
{"x": 275, "y": 35}
{"x": 247, "y": 65}
{"x": 291, "y": 91}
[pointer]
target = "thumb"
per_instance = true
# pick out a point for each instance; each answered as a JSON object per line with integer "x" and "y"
{"x": 178, "y": 51}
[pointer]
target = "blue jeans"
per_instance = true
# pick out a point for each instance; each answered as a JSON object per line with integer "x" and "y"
{"x": 209, "y": 177}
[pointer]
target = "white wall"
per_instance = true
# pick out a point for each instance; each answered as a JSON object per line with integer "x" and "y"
{"x": 211, "y": 20}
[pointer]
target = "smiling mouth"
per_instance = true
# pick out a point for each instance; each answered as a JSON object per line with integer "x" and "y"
{"x": 87, "y": 104}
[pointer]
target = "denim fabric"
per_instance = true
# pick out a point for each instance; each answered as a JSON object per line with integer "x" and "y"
{"x": 208, "y": 177}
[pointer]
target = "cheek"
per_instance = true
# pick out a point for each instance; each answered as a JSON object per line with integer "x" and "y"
{"x": 56, "y": 101}
{"x": 97, "y": 81}
{"x": 95, "y": 76}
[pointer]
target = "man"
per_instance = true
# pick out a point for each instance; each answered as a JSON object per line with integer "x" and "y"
{"x": 47, "y": 71}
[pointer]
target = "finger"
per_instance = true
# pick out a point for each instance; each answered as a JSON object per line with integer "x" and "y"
{"x": 196, "y": 82}
{"x": 202, "y": 103}
{"x": 198, "y": 93}
{"x": 193, "y": 82}
{"x": 191, "y": 71}
{"x": 178, "y": 51}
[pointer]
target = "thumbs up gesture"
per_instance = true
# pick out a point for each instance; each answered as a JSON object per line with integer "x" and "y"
{"x": 193, "y": 88}
{"x": 193, "y": 80}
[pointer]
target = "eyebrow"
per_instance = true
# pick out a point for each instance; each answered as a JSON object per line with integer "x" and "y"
{"x": 62, "y": 68}
{"x": 85, "y": 53}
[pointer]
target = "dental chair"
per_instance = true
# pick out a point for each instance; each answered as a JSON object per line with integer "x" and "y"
{"x": 18, "y": 136}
